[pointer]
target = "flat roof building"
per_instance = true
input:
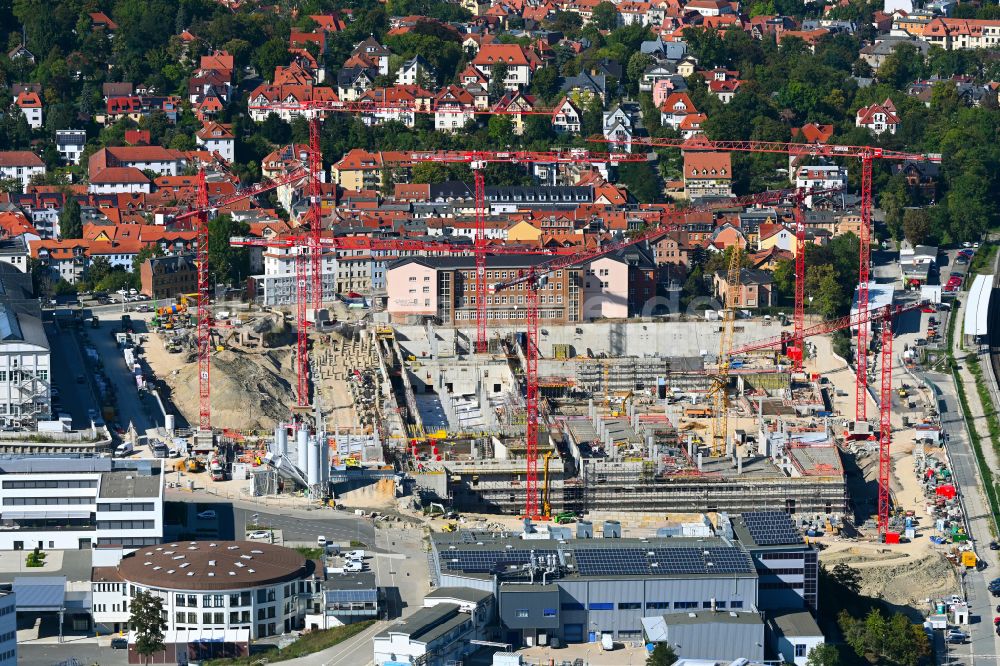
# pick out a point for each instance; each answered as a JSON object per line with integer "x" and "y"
{"x": 79, "y": 503}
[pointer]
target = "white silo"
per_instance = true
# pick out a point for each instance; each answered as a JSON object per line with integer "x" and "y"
{"x": 313, "y": 476}
{"x": 281, "y": 440}
{"x": 324, "y": 457}
{"x": 302, "y": 449}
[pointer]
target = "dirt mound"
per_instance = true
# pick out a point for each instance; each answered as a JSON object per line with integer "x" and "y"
{"x": 902, "y": 581}
{"x": 249, "y": 391}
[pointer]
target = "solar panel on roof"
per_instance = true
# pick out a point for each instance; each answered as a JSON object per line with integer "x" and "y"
{"x": 771, "y": 528}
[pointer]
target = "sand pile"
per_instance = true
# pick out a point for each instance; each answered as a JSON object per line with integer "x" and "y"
{"x": 249, "y": 391}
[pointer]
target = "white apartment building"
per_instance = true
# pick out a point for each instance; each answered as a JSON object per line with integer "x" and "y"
{"x": 79, "y": 503}
{"x": 70, "y": 144}
{"x": 823, "y": 177}
{"x": 20, "y": 165}
{"x": 277, "y": 285}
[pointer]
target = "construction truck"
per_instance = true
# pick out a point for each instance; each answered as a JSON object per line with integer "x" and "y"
{"x": 194, "y": 465}
{"x": 565, "y": 517}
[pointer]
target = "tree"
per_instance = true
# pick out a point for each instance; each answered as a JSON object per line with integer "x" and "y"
{"x": 270, "y": 54}
{"x": 895, "y": 640}
{"x": 823, "y": 654}
{"x": 428, "y": 172}
{"x": 70, "y": 224}
{"x": 917, "y": 227}
{"x": 498, "y": 81}
{"x": 500, "y": 130}
{"x": 226, "y": 263}
{"x": 99, "y": 269}
{"x": 635, "y": 68}
{"x": 545, "y": 82}
{"x": 641, "y": 180}
{"x": 662, "y": 655}
{"x": 605, "y": 16}
{"x": 146, "y": 620}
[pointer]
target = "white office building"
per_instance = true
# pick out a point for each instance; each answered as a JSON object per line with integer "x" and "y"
{"x": 244, "y": 587}
{"x": 20, "y": 165}
{"x": 67, "y": 503}
{"x": 24, "y": 368}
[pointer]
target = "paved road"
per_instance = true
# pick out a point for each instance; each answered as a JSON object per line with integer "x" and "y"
{"x": 130, "y": 406}
{"x": 67, "y": 365}
{"x": 51, "y": 654}
{"x": 296, "y": 525}
{"x": 981, "y": 603}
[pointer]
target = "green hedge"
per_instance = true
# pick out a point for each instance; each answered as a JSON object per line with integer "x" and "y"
{"x": 314, "y": 641}
{"x": 994, "y": 426}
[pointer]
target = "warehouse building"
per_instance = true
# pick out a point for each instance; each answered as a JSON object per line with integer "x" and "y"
{"x": 576, "y": 590}
{"x": 738, "y": 577}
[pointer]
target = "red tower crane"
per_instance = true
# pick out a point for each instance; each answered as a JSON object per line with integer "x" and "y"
{"x": 885, "y": 428}
{"x": 204, "y": 315}
{"x": 864, "y": 153}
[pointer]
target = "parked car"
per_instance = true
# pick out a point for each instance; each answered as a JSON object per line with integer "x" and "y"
{"x": 321, "y": 541}
{"x": 259, "y": 535}
{"x": 119, "y": 643}
{"x": 956, "y": 636}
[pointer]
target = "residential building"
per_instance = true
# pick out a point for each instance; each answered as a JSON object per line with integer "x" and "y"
{"x": 372, "y": 50}
{"x": 80, "y": 503}
{"x": 620, "y": 284}
{"x": 278, "y": 283}
{"x": 954, "y": 33}
{"x": 20, "y": 165}
{"x": 707, "y": 174}
{"x": 584, "y": 87}
{"x": 166, "y": 277}
{"x": 821, "y": 177}
{"x": 216, "y": 137}
{"x": 416, "y": 72}
{"x": 14, "y": 251}
{"x": 676, "y": 108}
{"x": 70, "y": 144}
{"x": 30, "y": 104}
{"x": 756, "y": 288}
{"x": 260, "y": 589}
{"x": 519, "y": 68}
{"x": 878, "y": 118}
{"x": 567, "y": 117}
{"x": 64, "y": 259}
{"x": 454, "y": 108}
{"x": 119, "y": 180}
{"x": 159, "y": 160}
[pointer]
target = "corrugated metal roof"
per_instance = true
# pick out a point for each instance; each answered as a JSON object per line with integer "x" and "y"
{"x": 977, "y": 306}
{"x": 40, "y": 593}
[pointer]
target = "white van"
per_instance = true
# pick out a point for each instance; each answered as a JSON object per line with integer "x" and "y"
{"x": 321, "y": 541}
{"x": 354, "y": 555}
{"x": 354, "y": 566}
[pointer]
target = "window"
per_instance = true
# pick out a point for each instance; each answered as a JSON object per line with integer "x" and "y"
{"x": 629, "y": 605}
{"x": 179, "y": 600}
{"x": 658, "y": 605}
{"x": 602, "y": 606}
{"x": 800, "y": 650}
{"x": 548, "y": 612}
{"x": 736, "y": 604}
{"x": 685, "y": 604}
{"x": 521, "y": 612}
{"x": 572, "y": 606}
